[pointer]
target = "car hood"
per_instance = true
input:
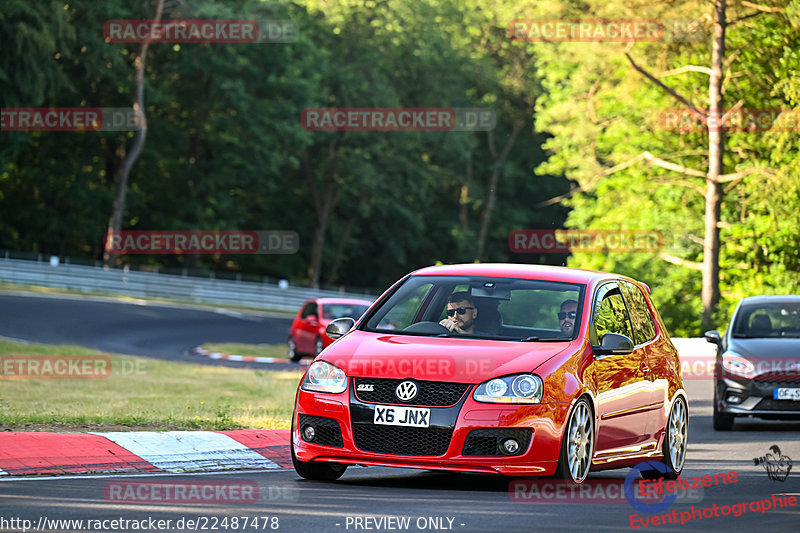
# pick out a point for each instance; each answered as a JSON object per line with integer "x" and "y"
{"x": 766, "y": 348}
{"x": 453, "y": 359}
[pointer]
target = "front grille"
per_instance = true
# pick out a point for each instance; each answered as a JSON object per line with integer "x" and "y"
{"x": 431, "y": 393}
{"x": 488, "y": 442}
{"x": 402, "y": 440}
{"x": 770, "y": 404}
{"x": 328, "y": 432}
{"x": 778, "y": 379}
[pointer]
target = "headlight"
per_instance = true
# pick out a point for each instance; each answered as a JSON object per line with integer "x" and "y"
{"x": 522, "y": 388}
{"x": 736, "y": 364}
{"x": 324, "y": 377}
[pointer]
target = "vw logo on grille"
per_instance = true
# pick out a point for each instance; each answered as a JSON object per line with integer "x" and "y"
{"x": 406, "y": 391}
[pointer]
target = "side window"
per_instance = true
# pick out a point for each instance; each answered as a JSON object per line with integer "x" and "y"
{"x": 310, "y": 309}
{"x": 402, "y": 314}
{"x": 610, "y": 315}
{"x": 642, "y": 321}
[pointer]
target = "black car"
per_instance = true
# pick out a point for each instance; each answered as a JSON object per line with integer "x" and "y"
{"x": 757, "y": 370}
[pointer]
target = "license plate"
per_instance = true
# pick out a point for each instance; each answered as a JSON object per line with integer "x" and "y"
{"x": 786, "y": 394}
{"x": 390, "y": 415}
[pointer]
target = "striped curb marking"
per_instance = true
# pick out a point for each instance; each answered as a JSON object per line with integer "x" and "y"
{"x": 61, "y": 453}
{"x": 143, "y": 451}
{"x": 187, "y": 451}
{"x": 197, "y": 350}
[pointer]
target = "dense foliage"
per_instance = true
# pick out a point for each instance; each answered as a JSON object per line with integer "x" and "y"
{"x": 226, "y": 150}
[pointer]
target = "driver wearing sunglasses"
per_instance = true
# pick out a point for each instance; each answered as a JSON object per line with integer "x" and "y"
{"x": 567, "y": 317}
{"x": 461, "y": 314}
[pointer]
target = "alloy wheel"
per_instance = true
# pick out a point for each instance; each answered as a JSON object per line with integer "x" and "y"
{"x": 580, "y": 442}
{"x": 677, "y": 429}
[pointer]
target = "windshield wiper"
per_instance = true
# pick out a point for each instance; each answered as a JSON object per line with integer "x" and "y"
{"x": 742, "y": 336}
{"x": 537, "y": 339}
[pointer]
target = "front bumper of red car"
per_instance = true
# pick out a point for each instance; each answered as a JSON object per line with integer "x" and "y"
{"x": 466, "y": 435}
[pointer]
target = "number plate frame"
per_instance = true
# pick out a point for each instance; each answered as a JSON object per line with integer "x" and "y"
{"x": 399, "y": 415}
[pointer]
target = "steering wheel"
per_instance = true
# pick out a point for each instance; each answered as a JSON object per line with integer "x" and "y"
{"x": 426, "y": 326}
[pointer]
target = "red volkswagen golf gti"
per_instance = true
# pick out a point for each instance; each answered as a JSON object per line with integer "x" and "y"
{"x": 516, "y": 369}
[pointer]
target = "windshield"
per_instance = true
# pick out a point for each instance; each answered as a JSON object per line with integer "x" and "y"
{"x": 779, "y": 319}
{"x": 334, "y": 311}
{"x": 481, "y": 307}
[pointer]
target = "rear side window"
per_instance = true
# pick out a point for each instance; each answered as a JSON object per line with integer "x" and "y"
{"x": 610, "y": 315}
{"x": 642, "y": 320}
{"x": 310, "y": 309}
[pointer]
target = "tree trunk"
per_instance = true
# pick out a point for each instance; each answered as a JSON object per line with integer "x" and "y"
{"x": 338, "y": 252}
{"x": 323, "y": 217}
{"x": 323, "y": 207}
{"x": 463, "y": 199}
{"x": 115, "y": 222}
{"x": 711, "y": 244}
{"x": 497, "y": 164}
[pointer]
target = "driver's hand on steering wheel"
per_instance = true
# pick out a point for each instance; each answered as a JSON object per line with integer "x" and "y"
{"x": 451, "y": 325}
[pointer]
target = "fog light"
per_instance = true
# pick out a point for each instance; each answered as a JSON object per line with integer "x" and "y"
{"x": 733, "y": 399}
{"x": 309, "y": 433}
{"x": 510, "y": 446}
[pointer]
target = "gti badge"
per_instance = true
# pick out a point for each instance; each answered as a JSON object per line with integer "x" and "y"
{"x": 366, "y": 387}
{"x": 406, "y": 391}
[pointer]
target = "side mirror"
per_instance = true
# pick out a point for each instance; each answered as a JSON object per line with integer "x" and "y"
{"x": 614, "y": 344}
{"x": 713, "y": 337}
{"x": 339, "y": 327}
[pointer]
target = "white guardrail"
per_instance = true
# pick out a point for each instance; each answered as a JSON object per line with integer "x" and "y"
{"x": 138, "y": 284}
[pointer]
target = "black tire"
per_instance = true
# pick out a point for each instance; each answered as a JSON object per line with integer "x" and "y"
{"x": 294, "y": 355}
{"x": 316, "y": 471}
{"x": 578, "y": 436}
{"x": 722, "y": 421}
{"x": 672, "y": 439}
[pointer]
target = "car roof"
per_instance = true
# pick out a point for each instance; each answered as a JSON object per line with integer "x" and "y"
{"x": 771, "y": 298}
{"x": 515, "y": 270}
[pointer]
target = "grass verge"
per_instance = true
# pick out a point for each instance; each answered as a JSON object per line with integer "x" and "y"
{"x": 250, "y": 350}
{"x": 138, "y": 393}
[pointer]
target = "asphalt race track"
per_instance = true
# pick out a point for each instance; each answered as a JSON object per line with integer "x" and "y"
{"x": 481, "y": 503}
{"x": 149, "y": 330}
{"x": 430, "y": 501}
